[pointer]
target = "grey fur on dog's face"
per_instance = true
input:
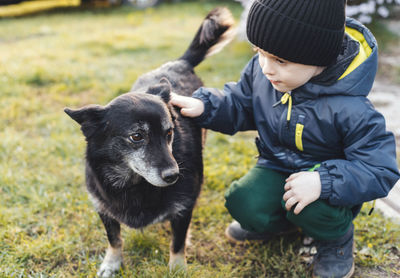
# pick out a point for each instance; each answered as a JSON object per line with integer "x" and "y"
{"x": 144, "y": 134}
{"x": 136, "y": 131}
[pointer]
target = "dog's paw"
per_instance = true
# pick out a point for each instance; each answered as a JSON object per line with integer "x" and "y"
{"x": 108, "y": 269}
{"x": 105, "y": 273}
{"x": 111, "y": 263}
{"x": 177, "y": 262}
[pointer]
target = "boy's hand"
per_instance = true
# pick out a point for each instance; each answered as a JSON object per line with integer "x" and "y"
{"x": 302, "y": 189}
{"x": 191, "y": 107}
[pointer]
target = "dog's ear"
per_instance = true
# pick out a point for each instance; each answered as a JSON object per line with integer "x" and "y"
{"x": 162, "y": 89}
{"x": 89, "y": 117}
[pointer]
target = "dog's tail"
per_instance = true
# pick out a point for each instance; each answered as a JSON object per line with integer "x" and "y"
{"x": 215, "y": 32}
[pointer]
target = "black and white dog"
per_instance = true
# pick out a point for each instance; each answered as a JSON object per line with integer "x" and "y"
{"x": 143, "y": 159}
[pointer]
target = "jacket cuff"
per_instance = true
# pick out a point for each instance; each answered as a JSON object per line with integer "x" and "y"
{"x": 326, "y": 182}
{"x": 204, "y": 97}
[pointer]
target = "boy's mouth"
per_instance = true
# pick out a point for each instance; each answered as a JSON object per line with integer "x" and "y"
{"x": 275, "y": 82}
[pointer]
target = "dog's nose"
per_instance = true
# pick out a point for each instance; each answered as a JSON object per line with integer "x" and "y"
{"x": 170, "y": 176}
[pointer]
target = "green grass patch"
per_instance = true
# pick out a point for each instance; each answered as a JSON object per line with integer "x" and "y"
{"x": 48, "y": 227}
{"x": 383, "y": 34}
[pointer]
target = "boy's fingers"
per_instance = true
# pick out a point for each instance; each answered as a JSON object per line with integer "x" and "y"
{"x": 190, "y": 112}
{"x": 287, "y": 195}
{"x": 287, "y": 186}
{"x": 180, "y": 100}
{"x": 292, "y": 176}
{"x": 289, "y": 204}
{"x": 187, "y": 112}
{"x": 173, "y": 97}
{"x": 299, "y": 207}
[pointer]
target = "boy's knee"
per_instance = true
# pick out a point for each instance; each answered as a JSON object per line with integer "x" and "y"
{"x": 321, "y": 220}
{"x": 254, "y": 200}
{"x": 238, "y": 201}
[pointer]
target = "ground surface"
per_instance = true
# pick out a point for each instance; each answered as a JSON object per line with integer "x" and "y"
{"x": 385, "y": 95}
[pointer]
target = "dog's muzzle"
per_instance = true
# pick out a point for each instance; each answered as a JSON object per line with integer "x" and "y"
{"x": 170, "y": 176}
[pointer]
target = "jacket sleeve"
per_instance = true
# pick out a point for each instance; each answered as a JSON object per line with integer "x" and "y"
{"x": 369, "y": 169}
{"x": 230, "y": 110}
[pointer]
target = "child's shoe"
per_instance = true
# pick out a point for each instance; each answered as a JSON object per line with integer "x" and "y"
{"x": 334, "y": 258}
{"x": 235, "y": 232}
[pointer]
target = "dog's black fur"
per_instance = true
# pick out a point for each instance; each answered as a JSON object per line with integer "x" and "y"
{"x": 144, "y": 160}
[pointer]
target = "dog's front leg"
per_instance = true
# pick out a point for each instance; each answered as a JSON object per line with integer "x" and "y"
{"x": 113, "y": 260}
{"x": 180, "y": 226}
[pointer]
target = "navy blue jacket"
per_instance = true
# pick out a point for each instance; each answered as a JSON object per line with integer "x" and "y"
{"x": 332, "y": 123}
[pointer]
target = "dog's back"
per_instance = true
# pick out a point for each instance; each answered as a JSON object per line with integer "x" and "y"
{"x": 215, "y": 32}
{"x": 144, "y": 160}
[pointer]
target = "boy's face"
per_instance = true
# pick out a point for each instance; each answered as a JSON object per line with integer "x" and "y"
{"x": 285, "y": 76}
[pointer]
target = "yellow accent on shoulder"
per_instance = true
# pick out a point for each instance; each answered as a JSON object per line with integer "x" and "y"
{"x": 364, "y": 51}
{"x": 298, "y": 135}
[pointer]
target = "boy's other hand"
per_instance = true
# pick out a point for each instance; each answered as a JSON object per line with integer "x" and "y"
{"x": 302, "y": 189}
{"x": 191, "y": 107}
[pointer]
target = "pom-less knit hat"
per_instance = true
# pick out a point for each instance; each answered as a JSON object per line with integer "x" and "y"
{"x": 301, "y": 31}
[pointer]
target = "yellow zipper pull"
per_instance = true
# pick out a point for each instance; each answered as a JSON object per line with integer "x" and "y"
{"x": 285, "y": 98}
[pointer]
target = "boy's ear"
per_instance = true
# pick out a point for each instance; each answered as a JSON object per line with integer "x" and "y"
{"x": 89, "y": 117}
{"x": 162, "y": 89}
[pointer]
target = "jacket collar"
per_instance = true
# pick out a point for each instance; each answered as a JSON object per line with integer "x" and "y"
{"x": 358, "y": 59}
{"x": 331, "y": 74}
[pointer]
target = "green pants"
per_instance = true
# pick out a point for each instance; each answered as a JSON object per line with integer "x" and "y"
{"x": 255, "y": 201}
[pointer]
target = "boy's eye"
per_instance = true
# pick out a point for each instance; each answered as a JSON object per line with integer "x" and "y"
{"x": 136, "y": 137}
{"x": 280, "y": 61}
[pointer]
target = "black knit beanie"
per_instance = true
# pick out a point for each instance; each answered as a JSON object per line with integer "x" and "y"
{"x": 308, "y": 32}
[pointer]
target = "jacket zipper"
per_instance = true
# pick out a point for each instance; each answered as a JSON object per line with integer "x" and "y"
{"x": 282, "y": 124}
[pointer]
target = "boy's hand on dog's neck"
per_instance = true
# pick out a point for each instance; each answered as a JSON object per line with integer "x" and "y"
{"x": 190, "y": 107}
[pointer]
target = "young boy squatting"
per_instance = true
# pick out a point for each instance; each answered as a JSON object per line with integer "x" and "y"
{"x": 324, "y": 149}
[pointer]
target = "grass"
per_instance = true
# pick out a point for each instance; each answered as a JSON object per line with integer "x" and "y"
{"x": 73, "y": 57}
{"x": 389, "y": 43}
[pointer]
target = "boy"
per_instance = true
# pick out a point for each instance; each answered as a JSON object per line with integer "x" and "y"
{"x": 324, "y": 149}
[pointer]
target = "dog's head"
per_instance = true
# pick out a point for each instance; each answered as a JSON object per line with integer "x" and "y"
{"x": 135, "y": 132}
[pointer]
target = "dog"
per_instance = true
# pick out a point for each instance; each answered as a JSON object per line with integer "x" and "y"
{"x": 143, "y": 159}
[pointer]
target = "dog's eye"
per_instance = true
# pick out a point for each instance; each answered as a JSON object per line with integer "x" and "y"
{"x": 136, "y": 137}
{"x": 169, "y": 134}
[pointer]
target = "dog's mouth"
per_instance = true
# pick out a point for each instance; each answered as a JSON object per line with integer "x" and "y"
{"x": 155, "y": 176}
{"x": 164, "y": 182}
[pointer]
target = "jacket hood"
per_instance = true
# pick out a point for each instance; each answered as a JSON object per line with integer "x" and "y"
{"x": 354, "y": 71}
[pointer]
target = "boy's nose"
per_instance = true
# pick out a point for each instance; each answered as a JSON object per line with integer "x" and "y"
{"x": 267, "y": 68}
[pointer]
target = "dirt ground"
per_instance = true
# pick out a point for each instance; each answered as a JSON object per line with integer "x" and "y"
{"x": 385, "y": 96}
